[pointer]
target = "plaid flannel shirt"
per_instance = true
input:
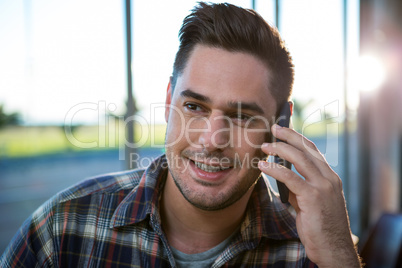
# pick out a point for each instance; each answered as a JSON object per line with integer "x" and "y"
{"x": 113, "y": 221}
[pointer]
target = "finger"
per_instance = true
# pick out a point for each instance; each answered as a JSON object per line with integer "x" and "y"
{"x": 297, "y": 140}
{"x": 305, "y": 145}
{"x": 301, "y": 162}
{"x": 293, "y": 181}
{"x": 293, "y": 201}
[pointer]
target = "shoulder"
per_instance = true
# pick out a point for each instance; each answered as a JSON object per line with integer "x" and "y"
{"x": 88, "y": 188}
{"x": 106, "y": 183}
{"x": 84, "y": 195}
{"x": 75, "y": 213}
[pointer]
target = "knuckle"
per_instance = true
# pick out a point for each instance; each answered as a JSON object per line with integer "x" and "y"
{"x": 327, "y": 187}
{"x": 308, "y": 143}
{"x": 309, "y": 146}
{"x": 332, "y": 186}
{"x": 306, "y": 161}
{"x": 289, "y": 175}
{"x": 338, "y": 182}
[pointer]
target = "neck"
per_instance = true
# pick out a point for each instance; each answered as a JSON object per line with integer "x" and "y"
{"x": 193, "y": 230}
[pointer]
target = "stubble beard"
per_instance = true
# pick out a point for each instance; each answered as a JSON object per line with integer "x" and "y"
{"x": 200, "y": 200}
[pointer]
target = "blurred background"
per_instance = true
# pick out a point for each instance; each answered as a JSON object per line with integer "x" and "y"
{"x": 82, "y": 88}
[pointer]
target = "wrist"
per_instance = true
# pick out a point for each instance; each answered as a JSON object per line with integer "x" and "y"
{"x": 342, "y": 258}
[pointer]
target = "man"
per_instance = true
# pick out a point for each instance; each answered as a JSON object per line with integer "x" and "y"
{"x": 205, "y": 203}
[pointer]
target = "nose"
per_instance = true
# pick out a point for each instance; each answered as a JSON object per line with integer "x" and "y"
{"x": 216, "y": 134}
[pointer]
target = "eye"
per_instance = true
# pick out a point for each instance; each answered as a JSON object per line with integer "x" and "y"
{"x": 192, "y": 107}
{"x": 242, "y": 119}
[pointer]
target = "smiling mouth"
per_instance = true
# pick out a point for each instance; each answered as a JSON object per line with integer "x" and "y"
{"x": 209, "y": 168}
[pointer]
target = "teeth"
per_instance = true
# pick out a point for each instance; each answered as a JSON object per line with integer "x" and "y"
{"x": 209, "y": 168}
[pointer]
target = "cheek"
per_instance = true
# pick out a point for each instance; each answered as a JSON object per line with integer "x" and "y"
{"x": 172, "y": 138}
{"x": 248, "y": 147}
{"x": 251, "y": 139}
{"x": 247, "y": 160}
{"x": 175, "y": 124}
{"x": 182, "y": 132}
{"x": 194, "y": 127}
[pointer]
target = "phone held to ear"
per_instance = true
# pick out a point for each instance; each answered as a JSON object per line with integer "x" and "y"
{"x": 283, "y": 121}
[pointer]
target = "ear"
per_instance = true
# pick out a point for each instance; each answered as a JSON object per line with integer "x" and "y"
{"x": 168, "y": 100}
{"x": 291, "y": 107}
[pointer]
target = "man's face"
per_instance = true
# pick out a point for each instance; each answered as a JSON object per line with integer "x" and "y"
{"x": 218, "y": 117}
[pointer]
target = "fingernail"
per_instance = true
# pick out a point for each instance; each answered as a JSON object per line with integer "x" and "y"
{"x": 262, "y": 164}
{"x": 265, "y": 145}
{"x": 277, "y": 126}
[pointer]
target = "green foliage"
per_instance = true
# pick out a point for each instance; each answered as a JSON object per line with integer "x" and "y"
{"x": 22, "y": 141}
{"x": 11, "y": 119}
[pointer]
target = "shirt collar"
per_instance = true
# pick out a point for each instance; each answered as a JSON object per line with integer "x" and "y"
{"x": 144, "y": 198}
{"x": 266, "y": 215}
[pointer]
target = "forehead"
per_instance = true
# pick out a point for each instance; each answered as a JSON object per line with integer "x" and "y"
{"x": 227, "y": 76}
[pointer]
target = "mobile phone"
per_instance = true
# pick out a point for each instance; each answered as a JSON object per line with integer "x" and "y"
{"x": 283, "y": 121}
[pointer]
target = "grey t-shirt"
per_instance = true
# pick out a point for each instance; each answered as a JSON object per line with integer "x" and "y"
{"x": 201, "y": 260}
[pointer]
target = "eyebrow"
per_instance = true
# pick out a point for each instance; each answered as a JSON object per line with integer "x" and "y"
{"x": 188, "y": 93}
{"x": 251, "y": 106}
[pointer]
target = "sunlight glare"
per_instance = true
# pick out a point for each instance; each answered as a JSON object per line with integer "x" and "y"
{"x": 370, "y": 73}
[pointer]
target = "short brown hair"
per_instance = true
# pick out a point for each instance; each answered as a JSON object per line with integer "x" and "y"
{"x": 239, "y": 30}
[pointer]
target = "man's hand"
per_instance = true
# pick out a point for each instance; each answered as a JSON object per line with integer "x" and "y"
{"x": 322, "y": 220}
